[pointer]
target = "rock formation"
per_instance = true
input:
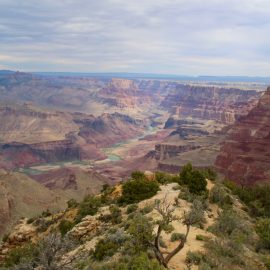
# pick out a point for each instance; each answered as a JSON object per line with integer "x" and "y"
{"x": 210, "y": 103}
{"x": 29, "y": 136}
{"x": 244, "y": 156}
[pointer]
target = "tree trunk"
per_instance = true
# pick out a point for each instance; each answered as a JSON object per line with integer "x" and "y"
{"x": 178, "y": 248}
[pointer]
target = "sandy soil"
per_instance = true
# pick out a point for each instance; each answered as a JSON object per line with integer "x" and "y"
{"x": 178, "y": 261}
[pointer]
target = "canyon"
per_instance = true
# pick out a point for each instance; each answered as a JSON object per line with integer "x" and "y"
{"x": 70, "y": 135}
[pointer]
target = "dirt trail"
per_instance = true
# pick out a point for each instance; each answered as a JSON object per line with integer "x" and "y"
{"x": 178, "y": 261}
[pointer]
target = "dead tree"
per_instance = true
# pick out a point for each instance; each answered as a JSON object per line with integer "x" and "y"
{"x": 165, "y": 209}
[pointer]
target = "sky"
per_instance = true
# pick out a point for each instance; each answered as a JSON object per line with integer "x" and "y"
{"x": 182, "y": 37}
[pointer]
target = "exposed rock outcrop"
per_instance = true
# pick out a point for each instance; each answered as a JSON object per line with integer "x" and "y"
{"x": 214, "y": 103}
{"x": 21, "y": 234}
{"x": 244, "y": 156}
{"x": 164, "y": 151}
{"x": 88, "y": 227}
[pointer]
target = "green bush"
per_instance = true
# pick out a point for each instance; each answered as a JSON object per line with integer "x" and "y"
{"x": 142, "y": 262}
{"x": 65, "y": 226}
{"x": 263, "y": 230}
{"x": 17, "y": 255}
{"x": 185, "y": 174}
{"x": 72, "y": 203}
{"x": 115, "y": 216}
{"x": 193, "y": 179}
{"x": 255, "y": 197}
{"x": 106, "y": 197}
{"x": 5, "y": 238}
{"x": 201, "y": 237}
{"x": 177, "y": 236}
{"x": 193, "y": 257}
{"x": 137, "y": 175}
{"x": 165, "y": 178}
{"x": 137, "y": 190}
{"x": 31, "y": 220}
{"x": 197, "y": 183}
{"x": 137, "y": 262}
{"x": 89, "y": 206}
{"x": 43, "y": 224}
{"x": 210, "y": 174}
{"x": 141, "y": 231}
{"x": 266, "y": 260}
{"x": 220, "y": 196}
{"x": 132, "y": 208}
{"x": 104, "y": 248}
{"x": 148, "y": 208}
{"x": 46, "y": 213}
{"x": 225, "y": 253}
{"x": 105, "y": 187}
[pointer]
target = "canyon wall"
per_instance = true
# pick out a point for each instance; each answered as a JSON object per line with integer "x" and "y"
{"x": 244, "y": 156}
{"x": 210, "y": 103}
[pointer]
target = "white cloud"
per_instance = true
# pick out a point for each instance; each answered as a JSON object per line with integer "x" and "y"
{"x": 215, "y": 37}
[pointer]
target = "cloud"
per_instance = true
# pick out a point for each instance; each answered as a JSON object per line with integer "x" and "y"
{"x": 215, "y": 37}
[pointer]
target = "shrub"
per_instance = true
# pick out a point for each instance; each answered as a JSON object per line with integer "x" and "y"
{"x": 263, "y": 230}
{"x": 223, "y": 252}
{"x": 20, "y": 254}
{"x": 255, "y": 197}
{"x": 118, "y": 236}
{"x": 5, "y": 238}
{"x": 193, "y": 179}
{"x": 219, "y": 196}
{"x": 185, "y": 194}
{"x": 42, "y": 224}
{"x": 106, "y": 197}
{"x": 147, "y": 209}
{"x": 89, "y": 206}
{"x": 142, "y": 262}
{"x": 227, "y": 222}
{"x": 46, "y": 213}
{"x": 115, "y": 216}
{"x": 72, "y": 203}
{"x": 233, "y": 226}
{"x": 185, "y": 174}
{"x": 137, "y": 175}
{"x": 30, "y": 220}
{"x": 141, "y": 231}
{"x": 196, "y": 214}
{"x": 104, "y": 248}
{"x": 266, "y": 261}
{"x": 65, "y": 226}
{"x": 193, "y": 257}
{"x": 201, "y": 237}
{"x": 197, "y": 183}
{"x": 105, "y": 187}
{"x": 210, "y": 174}
{"x": 137, "y": 190}
{"x": 177, "y": 236}
{"x": 132, "y": 208}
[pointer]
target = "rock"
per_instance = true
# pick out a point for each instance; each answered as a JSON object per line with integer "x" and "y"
{"x": 88, "y": 227}
{"x": 244, "y": 156}
{"x": 210, "y": 103}
{"x": 164, "y": 151}
{"x": 21, "y": 233}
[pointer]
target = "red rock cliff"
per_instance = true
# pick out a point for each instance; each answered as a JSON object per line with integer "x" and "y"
{"x": 245, "y": 155}
{"x": 210, "y": 103}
